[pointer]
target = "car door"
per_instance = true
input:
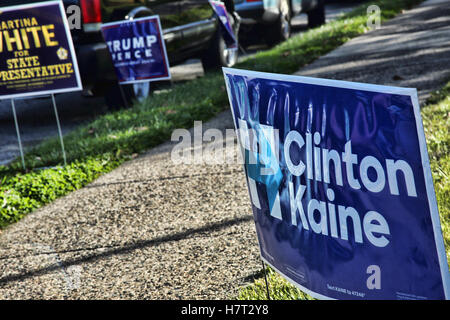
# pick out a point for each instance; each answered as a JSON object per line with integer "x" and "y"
{"x": 198, "y": 25}
{"x": 169, "y": 14}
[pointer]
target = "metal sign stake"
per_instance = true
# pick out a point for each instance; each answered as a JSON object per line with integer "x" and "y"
{"x": 59, "y": 130}
{"x": 18, "y": 133}
{"x": 265, "y": 279}
{"x": 123, "y": 95}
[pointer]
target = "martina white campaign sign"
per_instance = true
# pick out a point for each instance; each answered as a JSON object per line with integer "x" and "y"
{"x": 340, "y": 185}
{"x": 37, "y": 56}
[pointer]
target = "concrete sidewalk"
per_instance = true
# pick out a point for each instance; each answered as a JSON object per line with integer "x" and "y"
{"x": 412, "y": 50}
{"x": 153, "y": 230}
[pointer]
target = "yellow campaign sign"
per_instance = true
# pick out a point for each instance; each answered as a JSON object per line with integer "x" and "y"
{"x": 36, "y": 51}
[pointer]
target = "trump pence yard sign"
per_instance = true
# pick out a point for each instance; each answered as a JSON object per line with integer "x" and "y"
{"x": 37, "y": 56}
{"x": 137, "y": 49}
{"x": 340, "y": 186}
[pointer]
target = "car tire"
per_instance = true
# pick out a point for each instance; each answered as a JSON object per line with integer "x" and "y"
{"x": 316, "y": 17}
{"x": 281, "y": 29}
{"x": 217, "y": 55}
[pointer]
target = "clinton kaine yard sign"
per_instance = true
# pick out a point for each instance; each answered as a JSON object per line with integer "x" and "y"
{"x": 37, "y": 56}
{"x": 340, "y": 185}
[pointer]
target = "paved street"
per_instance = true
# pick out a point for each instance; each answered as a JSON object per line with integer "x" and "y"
{"x": 153, "y": 230}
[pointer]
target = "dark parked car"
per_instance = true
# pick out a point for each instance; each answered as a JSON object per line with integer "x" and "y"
{"x": 190, "y": 28}
{"x": 272, "y": 18}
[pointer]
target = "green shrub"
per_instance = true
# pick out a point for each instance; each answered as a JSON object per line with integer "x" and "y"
{"x": 22, "y": 193}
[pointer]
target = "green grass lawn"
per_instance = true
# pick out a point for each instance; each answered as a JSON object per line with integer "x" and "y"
{"x": 436, "y": 122}
{"x": 108, "y": 141}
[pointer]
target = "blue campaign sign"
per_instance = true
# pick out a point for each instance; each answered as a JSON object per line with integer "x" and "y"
{"x": 37, "y": 56}
{"x": 225, "y": 25}
{"x": 137, "y": 49}
{"x": 340, "y": 185}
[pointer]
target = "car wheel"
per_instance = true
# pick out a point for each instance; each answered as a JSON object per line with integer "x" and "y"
{"x": 281, "y": 29}
{"x": 316, "y": 17}
{"x": 218, "y": 55}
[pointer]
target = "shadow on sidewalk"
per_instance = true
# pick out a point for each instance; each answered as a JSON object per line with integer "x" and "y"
{"x": 118, "y": 250}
